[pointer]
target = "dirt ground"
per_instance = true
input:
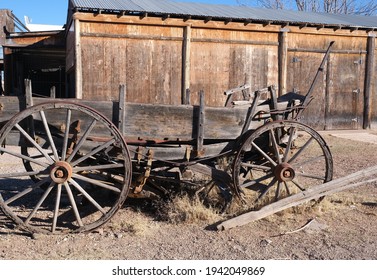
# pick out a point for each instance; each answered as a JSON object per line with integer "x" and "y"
{"x": 343, "y": 226}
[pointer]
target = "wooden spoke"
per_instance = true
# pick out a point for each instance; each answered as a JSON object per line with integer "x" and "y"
{"x": 275, "y": 145}
{"x": 98, "y": 167}
{"x": 100, "y": 148}
{"x": 26, "y": 191}
{"x": 43, "y": 198}
{"x": 256, "y": 167}
{"x": 97, "y": 183}
{"x": 24, "y": 157}
{"x": 302, "y": 149}
{"x": 57, "y": 205}
{"x": 66, "y": 134}
{"x": 292, "y": 132}
{"x": 49, "y": 135}
{"x": 73, "y": 204}
{"x": 91, "y": 199}
{"x": 82, "y": 140}
{"x": 35, "y": 144}
{"x": 263, "y": 153}
{"x": 287, "y": 188}
{"x": 297, "y": 184}
{"x": 277, "y": 193}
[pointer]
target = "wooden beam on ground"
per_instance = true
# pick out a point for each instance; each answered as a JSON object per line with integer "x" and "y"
{"x": 353, "y": 180}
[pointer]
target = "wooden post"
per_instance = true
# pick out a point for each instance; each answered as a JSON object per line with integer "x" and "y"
{"x": 28, "y": 93}
{"x": 122, "y": 111}
{"x": 1, "y": 83}
{"x": 283, "y": 60}
{"x": 53, "y": 92}
{"x": 186, "y": 56}
{"x": 188, "y": 97}
{"x": 29, "y": 103}
{"x": 78, "y": 61}
{"x": 369, "y": 74}
{"x": 327, "y": 94}
{"x": 200, "y": 129}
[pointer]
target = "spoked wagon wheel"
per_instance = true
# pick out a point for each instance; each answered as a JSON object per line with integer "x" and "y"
{"x": 78, "y": 168}
{"x": 279, "y": 159}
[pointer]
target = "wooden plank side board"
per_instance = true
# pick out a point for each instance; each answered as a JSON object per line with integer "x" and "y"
{"x": 179, "y": 122}
{"x": 172, "y": 122}
{"x": 159, "y": 122}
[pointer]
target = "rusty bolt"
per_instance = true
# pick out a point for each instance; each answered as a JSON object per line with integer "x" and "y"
{"x": 59, "y": 173}
{"x": 287, "y": 174}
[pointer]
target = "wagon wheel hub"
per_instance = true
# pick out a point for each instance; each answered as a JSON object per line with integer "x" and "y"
{"x": 284, "y": 172}
{"x": 61, "y": 172}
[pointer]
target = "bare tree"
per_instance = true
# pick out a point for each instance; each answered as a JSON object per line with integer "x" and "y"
{"x": 355, "y": 7}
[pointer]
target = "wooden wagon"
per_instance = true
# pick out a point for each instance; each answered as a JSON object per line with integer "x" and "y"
{"x": 81, "y": 159}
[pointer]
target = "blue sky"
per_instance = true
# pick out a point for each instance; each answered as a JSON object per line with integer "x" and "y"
{"x": 55, "y": 11}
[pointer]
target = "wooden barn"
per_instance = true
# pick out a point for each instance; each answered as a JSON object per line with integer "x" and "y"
{"x": 159, "y": 49}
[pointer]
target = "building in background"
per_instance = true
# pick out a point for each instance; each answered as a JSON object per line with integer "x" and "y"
{"x": 6, "y": 23}
{"x": 38, "y": 55}
{"x": 159, "y": 49}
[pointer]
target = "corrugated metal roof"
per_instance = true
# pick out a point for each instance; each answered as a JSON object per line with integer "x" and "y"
{"x": 223, "y": 12}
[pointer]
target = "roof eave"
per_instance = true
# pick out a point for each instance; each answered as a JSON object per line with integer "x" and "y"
{"x": 245, "y": 21}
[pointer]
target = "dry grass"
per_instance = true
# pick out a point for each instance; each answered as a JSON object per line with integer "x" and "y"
{"x": 190, "y": 210}
{"x": 136, "y": 223}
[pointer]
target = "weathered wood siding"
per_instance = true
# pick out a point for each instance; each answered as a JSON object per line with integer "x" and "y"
{"x": 158, "y": 59}
{"x": 224, "y": 59}
{"x": 147, "y": 59}
{"x": 302, "y": 66}
{"x": 70, "y": 52}
{"x": 339, "y": 94}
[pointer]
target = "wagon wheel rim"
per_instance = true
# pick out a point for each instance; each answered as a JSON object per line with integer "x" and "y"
{"x": 277, "y": 160}
{"x": 69, "y": 173}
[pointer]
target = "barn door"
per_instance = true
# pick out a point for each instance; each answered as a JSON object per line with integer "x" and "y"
{"x": 302, "y": 67}
{"x": 345, "y": 92}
